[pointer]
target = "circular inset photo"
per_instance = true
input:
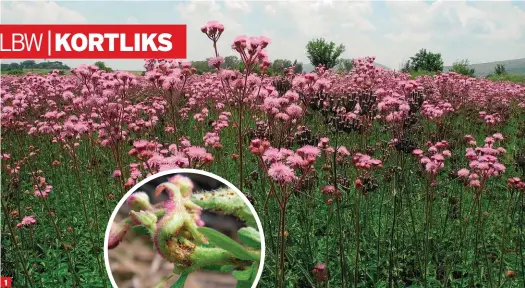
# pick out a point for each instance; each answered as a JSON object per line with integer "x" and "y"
{"x": 184, "y": 228}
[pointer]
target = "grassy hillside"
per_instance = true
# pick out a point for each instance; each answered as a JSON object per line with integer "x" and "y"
{"x": 307, "y": 67}
{"x": 516, "y": 78}
{"x": 515, "y": 66}
{"x": 45, "y": 71}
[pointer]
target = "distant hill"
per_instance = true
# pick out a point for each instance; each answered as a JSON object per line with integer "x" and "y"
{"x": 382, "y": 66}
{"x": 307, "y": 67}
{"x": 516, "y": 66}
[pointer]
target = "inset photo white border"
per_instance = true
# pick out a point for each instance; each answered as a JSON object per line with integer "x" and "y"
{"x": 185, "y": 171}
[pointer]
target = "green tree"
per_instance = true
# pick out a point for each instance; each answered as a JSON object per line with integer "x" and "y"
{"x": 231, "y": 62}
{"x": 278, "y": 65}
{"x": 14, "y": 66}
{"x": 256, "y": 69}
{"x": 345, "y": 65}
{"x": 321, "y": 52}
{"x": 426, "y": 61}
{"x": 298, "y": 67}
{"x": 462, "y": 67}
{"x": 500, "y": 69}
{"x": 102, "y": 66}
{"x": 28, "y": 64}
{"x": 406, "y": 67}
{"x": 201, "y": 66}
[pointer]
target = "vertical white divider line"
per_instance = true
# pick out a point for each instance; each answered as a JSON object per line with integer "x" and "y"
{"x": 48, "y": 42}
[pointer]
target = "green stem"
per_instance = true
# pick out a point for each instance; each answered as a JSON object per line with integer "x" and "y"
{"x": 21, "y": 259}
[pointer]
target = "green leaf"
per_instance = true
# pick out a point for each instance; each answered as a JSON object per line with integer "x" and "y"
{"x": 243, "y": 275}
{"x": 227, "y": 268}
{"x": 247, "y": 275}
{"x": 250, "y": 237}
{"x": 180, "y": 282}
{"x": 226, "y": 243}
{"x": 246, "y": 278}
{"x": 226, "y": 201}
{"x": 244, "y": 284}
{"x": 213, "y": 268}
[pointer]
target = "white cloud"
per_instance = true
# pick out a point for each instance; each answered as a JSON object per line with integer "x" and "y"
{"x": 391, "y": 31}
{"x": 132, "y": 20}
{"x": 269, "y": 9}
{"x": 238, "y": 5}
{"x": 39, "y": 12}
{"x": 481, "y": 31}
{"x": 195, "y": 15}
{"x": 49, "y": 12}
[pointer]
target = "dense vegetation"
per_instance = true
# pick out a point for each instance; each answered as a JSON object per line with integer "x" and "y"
{"x": 365, "y": 178}
{"x": 15, "y": 68}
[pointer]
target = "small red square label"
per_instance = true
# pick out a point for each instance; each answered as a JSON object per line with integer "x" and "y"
{"x": 6, "y": 282}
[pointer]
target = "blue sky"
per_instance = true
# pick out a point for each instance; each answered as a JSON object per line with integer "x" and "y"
{"x": 481, "y": 31}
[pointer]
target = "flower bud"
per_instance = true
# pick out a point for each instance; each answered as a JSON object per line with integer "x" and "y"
{"x": 168, "y": 227}
{"x": 358, "y": 183}
{"x": 139, "y": 201}
{"x": 320, "y": 272}
{"x": 184, "y": 183}
{"x": 117, "y": 232}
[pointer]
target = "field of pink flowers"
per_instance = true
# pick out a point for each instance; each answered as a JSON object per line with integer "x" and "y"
{"x": 361, "y": 179}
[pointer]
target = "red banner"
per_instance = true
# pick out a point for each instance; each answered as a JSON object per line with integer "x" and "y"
{"x": 6, "y": 282}
{"x": 137, "y": 41}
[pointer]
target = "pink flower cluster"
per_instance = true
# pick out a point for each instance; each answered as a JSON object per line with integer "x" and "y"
{"x": 483, "y": 162}
{"x": 490, "y": 119}
{"x": 200, "y": 117}
{"x": 281, "y": 108}
{"x": 156, "y": 157}
{"x": 331, "y": 191}
{"x": 434, "y": 159}
{"x": 326, "y": 150}
{"x": 41, "y": 188}
{"x": 363, "y": 161}
{"x": 282, "y": 162}
{"x": 393, "y": 105}
{"x": 516, "y": 183}
{"x": 251, "y": 50}
{"x": 213, "y": 30}
{"x": 436, "y": 110}
{"x": 26, "y": 221}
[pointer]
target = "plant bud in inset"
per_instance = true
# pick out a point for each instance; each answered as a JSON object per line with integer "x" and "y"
{"x": 118, "y": 230}
{"x": 184, "y": 183}
{"x": 168, "y": 229}
{"x": 139, "y": 201}
{"x": 147, "y": 219}
{"x": 171, "y": 236}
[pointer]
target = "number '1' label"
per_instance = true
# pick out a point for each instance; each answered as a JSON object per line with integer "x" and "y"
{"x": 5, "y": 282}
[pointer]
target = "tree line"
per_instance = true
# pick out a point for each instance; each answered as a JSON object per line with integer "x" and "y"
{"x": 327, "y": 54}
{"x": 31, "y": 64}
{"x": 234, "y": 63}
{"x": 319, "y": 52}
